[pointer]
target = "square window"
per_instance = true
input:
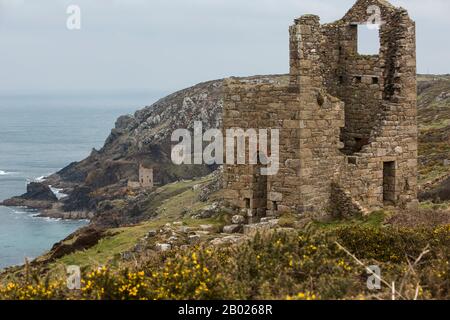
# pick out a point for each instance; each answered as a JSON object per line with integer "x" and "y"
{"x": 368, "y": 39}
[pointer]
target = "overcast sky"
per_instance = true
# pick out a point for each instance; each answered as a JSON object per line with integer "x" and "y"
{"x": 164, "y": 45}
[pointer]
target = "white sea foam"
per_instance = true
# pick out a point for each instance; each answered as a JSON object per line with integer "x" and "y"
{"x": 57, "y": 192}
{"x": 4, "y": 173}
{"x": 19, "y": 211}
{"x": 40, "y": 179}
{"x": 49, "y": 219}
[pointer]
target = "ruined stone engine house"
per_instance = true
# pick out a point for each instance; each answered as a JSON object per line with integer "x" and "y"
{"x": 347, "y": 122}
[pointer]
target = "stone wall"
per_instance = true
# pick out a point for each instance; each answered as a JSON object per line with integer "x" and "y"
{"x": 393, "y": 128}
{"x": 348, "y": 122}
{"x": 145, "y": 177}
{"x": 257, "y": 104}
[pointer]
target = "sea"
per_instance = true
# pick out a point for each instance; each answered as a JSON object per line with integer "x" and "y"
{"x": 39, "y": 135}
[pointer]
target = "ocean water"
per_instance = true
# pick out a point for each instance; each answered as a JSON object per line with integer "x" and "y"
{"x": 38, "y": 136}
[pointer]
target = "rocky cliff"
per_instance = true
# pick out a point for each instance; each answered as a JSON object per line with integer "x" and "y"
{"x": 145, "y": 138}
{"x": 434, "y": 138}
{"x": 97, "y": 184}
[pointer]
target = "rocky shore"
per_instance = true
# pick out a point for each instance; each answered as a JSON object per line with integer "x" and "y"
{"x": 40, "y": 196}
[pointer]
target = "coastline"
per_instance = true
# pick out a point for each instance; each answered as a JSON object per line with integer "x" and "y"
{"x": 47, "y": 206}
{"x": 39, "y": 137}
{"x": 23, "y": 226}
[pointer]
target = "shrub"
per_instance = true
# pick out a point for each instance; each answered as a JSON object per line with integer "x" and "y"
{"x": 277, "y": 265}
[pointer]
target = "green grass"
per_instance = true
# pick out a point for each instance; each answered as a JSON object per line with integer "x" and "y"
{"x": 118, "y": 240}
{"x": 287, "y": 220}
{"x": 121, "y": 240}
{"x": 162, "y": 196}
{"x": 275, "y": 265}
{"x": 172, "y": 201}
{"x": 434, "y": 206}
{"x": 374, "y": 219}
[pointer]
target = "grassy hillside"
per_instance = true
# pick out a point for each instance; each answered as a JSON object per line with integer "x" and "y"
{"x": 434, "y": 126}
{"x": 320, "y": 263}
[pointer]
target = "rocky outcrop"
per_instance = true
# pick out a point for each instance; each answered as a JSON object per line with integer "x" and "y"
{"x": 79, "y": 200}
{"x": 38, "y": 196}
{"x": 438, "y": 193}
{"x": 434, "y": 137}
{"x": 145, "y": 138}
{"x": 39, "y": 191}
{"x": 81, "y": 240}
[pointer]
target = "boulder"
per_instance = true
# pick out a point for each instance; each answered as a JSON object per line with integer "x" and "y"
{"x": 238, "y": 219}
{"x": 252, "y": 229}
{"x": 206, "y": 227}
{"x": 233, "y": 228}
{"x": 194, "y": 239}
{"x": 163, "y": 247}
{"x": 231, "y": 239}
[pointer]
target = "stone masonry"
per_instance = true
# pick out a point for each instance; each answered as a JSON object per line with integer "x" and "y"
{"x": 347, "y": 122}
{"x": 145, "y": 179}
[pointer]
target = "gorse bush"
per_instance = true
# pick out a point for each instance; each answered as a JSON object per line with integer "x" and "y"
{"x": 382, "y": 245}
{"x": 393, "y": 244}
{"x": 277, "y": 265}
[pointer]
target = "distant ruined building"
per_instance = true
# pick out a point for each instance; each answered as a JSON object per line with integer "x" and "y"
{"x": 348, "y": 122}
{"x": 145, "y": 179}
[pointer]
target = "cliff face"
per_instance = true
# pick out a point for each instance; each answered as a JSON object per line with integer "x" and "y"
{"x": 145, "y": 138}
{"x": 434, "y": 137}
{"x": 97, "y": 184}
